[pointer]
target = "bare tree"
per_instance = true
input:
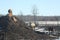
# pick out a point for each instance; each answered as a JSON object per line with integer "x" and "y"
{"x": 21, "y": 14}
{"x": 35, "y": 12}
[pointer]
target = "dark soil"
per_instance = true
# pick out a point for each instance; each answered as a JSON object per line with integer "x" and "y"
{"x": 18, "y": 30}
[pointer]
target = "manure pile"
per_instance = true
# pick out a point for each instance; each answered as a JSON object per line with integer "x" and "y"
{"x": 18, "y": 30}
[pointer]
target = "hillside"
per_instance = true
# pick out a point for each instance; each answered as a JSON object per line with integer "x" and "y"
{"x": 18, "y": 30}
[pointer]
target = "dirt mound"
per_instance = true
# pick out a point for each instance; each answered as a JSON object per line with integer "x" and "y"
{"x": 18, "y": 30}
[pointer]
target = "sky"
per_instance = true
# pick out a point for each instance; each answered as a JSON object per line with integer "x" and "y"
{"x": 45, "y": 7}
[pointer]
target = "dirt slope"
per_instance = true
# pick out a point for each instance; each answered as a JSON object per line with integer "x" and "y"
{"x": 18, "y": 30}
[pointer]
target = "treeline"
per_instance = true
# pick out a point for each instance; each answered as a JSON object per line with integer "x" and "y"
{"x": 39, "y": 18}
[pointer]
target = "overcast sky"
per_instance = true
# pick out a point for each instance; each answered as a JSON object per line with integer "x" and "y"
{"x": 45, "y": 7}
